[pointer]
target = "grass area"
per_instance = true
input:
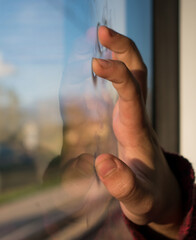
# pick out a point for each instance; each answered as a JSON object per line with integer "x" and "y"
{"x": 19, "y": 193}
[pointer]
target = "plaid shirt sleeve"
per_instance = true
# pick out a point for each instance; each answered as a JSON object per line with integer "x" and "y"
{"x": 184, "y": 174}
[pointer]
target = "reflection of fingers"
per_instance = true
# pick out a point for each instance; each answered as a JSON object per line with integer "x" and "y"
{"x": 84, "y": 164}
{"x": 124, "y": 47}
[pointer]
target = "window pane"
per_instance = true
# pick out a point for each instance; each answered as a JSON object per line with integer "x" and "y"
{"x": 56, "y": 115}
{"x": 139, "y": 23}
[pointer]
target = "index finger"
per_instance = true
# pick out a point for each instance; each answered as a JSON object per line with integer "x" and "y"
{"x": 125, "y": 50}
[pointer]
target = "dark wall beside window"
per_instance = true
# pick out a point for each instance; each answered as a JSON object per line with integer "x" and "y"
{"x": 166, "y": 76}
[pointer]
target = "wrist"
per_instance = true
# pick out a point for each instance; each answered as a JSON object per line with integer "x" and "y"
{"x": 169, "y": 231}
{"x": 184, "y": 175}
{"x": 168, "y": 221}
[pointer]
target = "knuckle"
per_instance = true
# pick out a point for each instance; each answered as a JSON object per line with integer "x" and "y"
{"x": 132, "y": 46}
{"x": 124, "y": 189}
{"x": 122, "y": 70}
{"x": 132, "y": 43}
{"x": 145, "y": 69}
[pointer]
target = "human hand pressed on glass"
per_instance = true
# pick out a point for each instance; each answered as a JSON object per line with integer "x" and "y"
{"x": 139, "y": 177}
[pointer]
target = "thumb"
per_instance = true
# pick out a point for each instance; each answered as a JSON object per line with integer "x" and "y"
{"x": 116, "y": 176}
{"x": 123, "y": 185}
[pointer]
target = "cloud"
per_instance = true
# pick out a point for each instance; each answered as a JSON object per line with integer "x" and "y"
{"x": 6, "y": 69}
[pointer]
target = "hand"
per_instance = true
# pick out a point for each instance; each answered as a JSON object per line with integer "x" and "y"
{"x": 140, "y": 178}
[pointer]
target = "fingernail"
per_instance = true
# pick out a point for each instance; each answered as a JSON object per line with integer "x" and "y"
{"x": 112, "y": 32}
{"x": 106, "y": 167}
{"x": 104, "y": 63}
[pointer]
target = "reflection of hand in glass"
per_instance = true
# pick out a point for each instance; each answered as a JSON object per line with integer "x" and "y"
{"x": 86, "y": 109}
{"x": 83, "y": 200}
{"x": 79, "y": 172}
{"x": 140, "y": 178}
{"x": 78, "y": 179}
{"x": 78, "y": 67}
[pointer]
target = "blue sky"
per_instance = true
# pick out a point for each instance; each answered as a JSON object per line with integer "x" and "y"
{"x": 32, "y": 40}
{"x": 139, "y": 27}
{"x": 38, "y": 36}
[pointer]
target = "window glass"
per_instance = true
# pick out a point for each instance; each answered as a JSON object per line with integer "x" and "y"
{"x": 56, "y": 115}
{"x": 139, "y": 27}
